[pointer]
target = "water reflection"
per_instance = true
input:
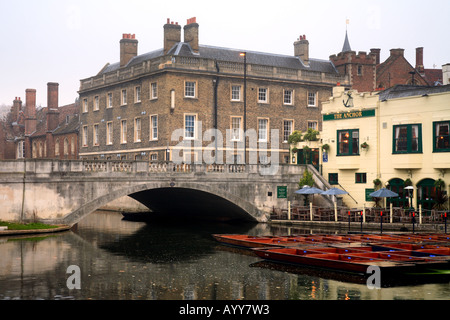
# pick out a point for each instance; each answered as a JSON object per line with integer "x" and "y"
{"x": 131, "y": 260}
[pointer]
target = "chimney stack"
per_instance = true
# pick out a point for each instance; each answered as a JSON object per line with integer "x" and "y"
{"x": 419, "y": 60}
{"x": 301, "y": 49}
{"x": 52, "y": 95}
{"x": 128, "y": 48}
{"x": 191, "y": 34}
{"x": 15, "y": 110}
{"x": 172, "y": 35}
{"x": 52, "y": 106}
{"x": 30, "y": 111}
{"x": 397, "y": 52}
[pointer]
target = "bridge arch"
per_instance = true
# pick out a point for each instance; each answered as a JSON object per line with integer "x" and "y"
{"x": 191, "y": 199}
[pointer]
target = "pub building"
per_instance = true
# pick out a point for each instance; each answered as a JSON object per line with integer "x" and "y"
{"x": 394, "y": 138}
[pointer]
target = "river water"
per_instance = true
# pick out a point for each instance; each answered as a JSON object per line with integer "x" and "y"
{"x": 126, "y": 260}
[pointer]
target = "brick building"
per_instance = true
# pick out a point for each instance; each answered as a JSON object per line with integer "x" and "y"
{"x": 366, "y": 73}
{"x": 50, "y": 132}
{"x": 132, "y": 109}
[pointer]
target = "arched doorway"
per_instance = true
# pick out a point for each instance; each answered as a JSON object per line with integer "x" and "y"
{"x": 426, "y": 194}
{"x": 398, "y": 186}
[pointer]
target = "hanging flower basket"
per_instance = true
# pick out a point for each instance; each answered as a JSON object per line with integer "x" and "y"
{"x": 365, "y": 145}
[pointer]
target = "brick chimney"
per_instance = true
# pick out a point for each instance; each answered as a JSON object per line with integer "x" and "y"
{"x": 301, "y": 49}
{"x": 419, "y": 60}
{"x": 52, "y": 106}
{"x": 128, "y": 48}
{"x": 15, "y": 110}
{"x": 191, "y": 34}
{"x": 30, "y": 111}
{"x": 172, "y": 35}
{"x": 376, "y": 52}
{"x": 397, "y": 52}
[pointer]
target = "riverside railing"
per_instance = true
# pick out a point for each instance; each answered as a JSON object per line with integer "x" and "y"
{"x": 388, "y": 215}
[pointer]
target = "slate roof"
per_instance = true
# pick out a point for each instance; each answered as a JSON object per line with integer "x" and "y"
{"x": 403, "y": 91}
{"x": 183, "y": 49}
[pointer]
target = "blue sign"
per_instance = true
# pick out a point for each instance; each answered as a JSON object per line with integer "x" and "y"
{"x": 325, "y": 157}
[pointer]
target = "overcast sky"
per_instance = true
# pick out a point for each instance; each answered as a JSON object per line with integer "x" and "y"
{"x": 66, "y": 40}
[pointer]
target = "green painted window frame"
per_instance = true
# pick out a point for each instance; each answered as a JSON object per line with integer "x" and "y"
{"x": 360, "y": 177}
{"x": 437, "y": 136}
{"x": 408, "y": 140}
{"x": 333, "y": 178}
{"x": 351, "y": 144}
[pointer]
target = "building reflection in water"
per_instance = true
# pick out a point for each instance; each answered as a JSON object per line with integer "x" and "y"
{"x": 132, "y": 260}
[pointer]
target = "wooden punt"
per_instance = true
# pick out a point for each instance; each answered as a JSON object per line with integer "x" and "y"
{"x": 354, "y": 263}
{"x": 247, "y": 241}
{"x": 256, "y": 241}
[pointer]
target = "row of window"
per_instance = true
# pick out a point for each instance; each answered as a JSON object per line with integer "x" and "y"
{"x": 190, "y": 129}
{"x": 39, "y": 149}
{"x": 406, "y": 139}
{"x": 123, "y": 132}
{"x": 190, "y": 91}
{"x": 333, "y": 178}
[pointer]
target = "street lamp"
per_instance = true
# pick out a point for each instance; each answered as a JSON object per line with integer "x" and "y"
{"x": 244, "y": 54}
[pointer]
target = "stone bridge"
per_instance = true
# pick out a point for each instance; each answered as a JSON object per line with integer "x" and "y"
{"x": 63, "y": 192}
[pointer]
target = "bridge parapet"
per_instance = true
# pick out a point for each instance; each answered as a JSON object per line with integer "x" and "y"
{"x": 37, "y": 166}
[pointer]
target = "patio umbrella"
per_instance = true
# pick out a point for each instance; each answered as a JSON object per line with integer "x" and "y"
{"x": 309, "y": 190}
{"x": 334, "y": 192}
{"x": 306, "y": 190}
{"x": 384, "y": 193}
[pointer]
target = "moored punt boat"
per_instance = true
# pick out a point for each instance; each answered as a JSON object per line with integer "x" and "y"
{"x": 356, "y": 263}
{"x": 256, "y": 241}
{"x": 278, "y": 241}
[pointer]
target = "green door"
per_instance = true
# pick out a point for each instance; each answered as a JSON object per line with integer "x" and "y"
{"x": 310, "y": 156}
{"x": 426, "y": 194}
{"x": 397, "y": 186}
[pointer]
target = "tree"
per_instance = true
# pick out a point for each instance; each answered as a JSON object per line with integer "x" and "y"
{"x": 306, "y": 180}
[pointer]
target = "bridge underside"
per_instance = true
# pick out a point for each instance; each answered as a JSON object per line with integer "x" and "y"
{"x": 182, "y": 203}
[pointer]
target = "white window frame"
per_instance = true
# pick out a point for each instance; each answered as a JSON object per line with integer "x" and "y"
{"x": 123, "y": 131}
{"x": 236, "y": 90}
{"x": 96, "y": 103}
{"x": 153, "y": 127}
{"x": 290, "y": 94}
{"x": 263, "y": 92}
{"x": 190, "y": 92}
{"x": 153, "y": 90}
{"x": 194, "y": 126}
{"x": 312, "y": 95}
{"x": 137, "y": 130}
{"x": 95, "y": 134}
{"x": 109, "y": 100}
{"x": 109, "y": 133}
{"x": 263, "y": 132}
{"x": 137, "y": 94}
{"x": 123, "y": 97}
{"x": 85, "y": 136}
{"x": 287, "y": 131}
{"x": 313, "y": 124}
{"x": 85, "y": 105}
{"x": 21, "y": 150}
{"x": 236, "y": 131}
